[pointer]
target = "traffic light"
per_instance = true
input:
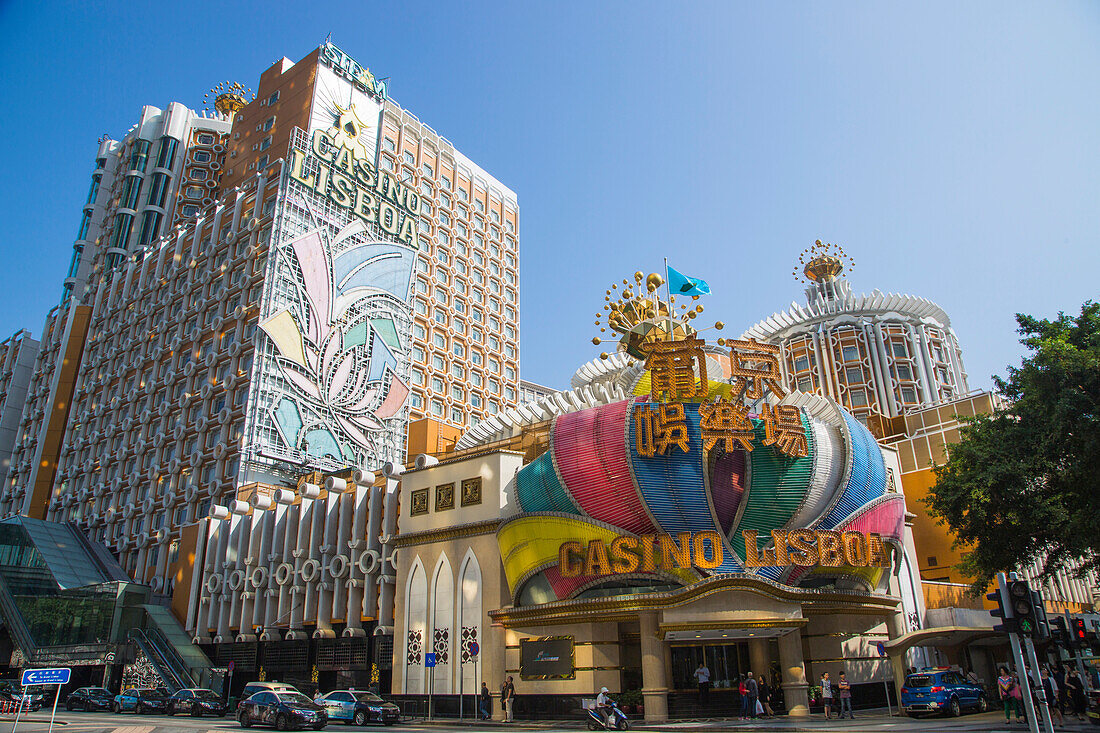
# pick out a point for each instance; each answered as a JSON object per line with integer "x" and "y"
{"x": 1078, "y": 633}
{"x": 1059, "y": 634}
{"x": 1042, "y": 627}
{"x": 1023, "y": 607}
{"x": 1009, "y": 625}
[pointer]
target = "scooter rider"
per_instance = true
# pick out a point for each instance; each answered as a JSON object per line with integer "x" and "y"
{"x": 603, "y": 704}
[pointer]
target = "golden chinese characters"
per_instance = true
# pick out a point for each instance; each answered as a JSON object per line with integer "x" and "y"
{"x": 783, "y": 429}
{"x": 660, "y": 427}
{"x": 755, "y": 368}
{"x": 678, "y": 369}
{"x": 725, "y": 421}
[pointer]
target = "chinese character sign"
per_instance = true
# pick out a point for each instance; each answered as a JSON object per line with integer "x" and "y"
{"x": 727, "y": 422}
{"x": 657, "y": 428}
{"x": 755, "y": 368}
{"x": 678, "y": 369}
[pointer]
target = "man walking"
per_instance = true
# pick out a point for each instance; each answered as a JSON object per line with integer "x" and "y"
{"x": 702, "y": 676}
{"x": 753, "y": 691}
{"x": 827, "y": 694}
{"x": 486, "y": 701}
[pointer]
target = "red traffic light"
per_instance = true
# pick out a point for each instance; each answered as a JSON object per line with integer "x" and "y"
{"x": 1079, "y": 632}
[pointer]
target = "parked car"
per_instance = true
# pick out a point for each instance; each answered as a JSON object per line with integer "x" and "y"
{"x": 198, "y": 702}
{"x": 941, "y": 691}
{"x": 16, "y": 693}
{"x": 283, "y": 710}
{"x": 89, "y": 699}
{"x": 141, "y": 700}
{"x": 359, "y": 707}
{"x": 253, "y": 687}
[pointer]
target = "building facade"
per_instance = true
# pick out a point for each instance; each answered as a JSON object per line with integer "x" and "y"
{"x": 17, "y": 355}
{"x": 878, "y": 354}
{"x": 263, "y": 291}
{"x": 621, "y": 532}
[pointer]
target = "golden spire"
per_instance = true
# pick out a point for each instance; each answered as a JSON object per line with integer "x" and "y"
{"x": 823, "y": 262}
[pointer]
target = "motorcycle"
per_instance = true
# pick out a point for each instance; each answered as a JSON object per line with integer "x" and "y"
{"x": 616, "y": 719}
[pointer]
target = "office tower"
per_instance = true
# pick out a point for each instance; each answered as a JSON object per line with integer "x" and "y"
{"x": 261, "y": 294}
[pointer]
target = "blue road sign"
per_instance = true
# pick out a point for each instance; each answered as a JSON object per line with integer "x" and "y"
{"x": 474, "y": 648}
{"x": 429, "y": 659}
{"x": 57, "y": 676}
{"x": 881, "y": 648}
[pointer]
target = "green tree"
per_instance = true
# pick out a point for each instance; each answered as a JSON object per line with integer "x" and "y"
{"x": 1023, "y": 484}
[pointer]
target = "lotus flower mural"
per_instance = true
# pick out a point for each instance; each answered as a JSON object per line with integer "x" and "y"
{"x": 337, "y": 344}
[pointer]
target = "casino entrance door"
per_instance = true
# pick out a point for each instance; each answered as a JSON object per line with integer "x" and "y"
{"x": 728, "y": 660}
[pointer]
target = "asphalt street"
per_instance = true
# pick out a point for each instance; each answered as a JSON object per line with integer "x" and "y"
{"x": 72, "y": 722}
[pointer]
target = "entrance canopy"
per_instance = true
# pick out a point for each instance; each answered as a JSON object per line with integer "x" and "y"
{"x": 941, "y": 636}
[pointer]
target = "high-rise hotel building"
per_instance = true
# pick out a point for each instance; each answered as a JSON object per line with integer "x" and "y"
{"x": 275, "y": 286}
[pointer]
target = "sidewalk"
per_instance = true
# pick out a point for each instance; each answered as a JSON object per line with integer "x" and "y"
{"x": 865, "y": 723}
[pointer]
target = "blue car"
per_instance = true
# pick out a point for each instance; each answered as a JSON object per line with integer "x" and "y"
{"x": 358, "y": 707}
{"x": 141, "y": 700}
{"x": 941, "y": 691}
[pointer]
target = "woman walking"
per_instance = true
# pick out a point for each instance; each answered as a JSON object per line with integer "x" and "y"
{"x": 1006, "y": 686}
{"x": 1076, "y": 693}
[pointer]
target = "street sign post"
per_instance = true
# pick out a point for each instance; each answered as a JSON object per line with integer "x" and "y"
{"x": 885, "y": 677}
{"x": 429, "y": 662}
{"x": 52, "y": 676}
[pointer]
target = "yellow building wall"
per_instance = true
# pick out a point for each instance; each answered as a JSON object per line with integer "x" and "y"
{"x": 936, "y": 556}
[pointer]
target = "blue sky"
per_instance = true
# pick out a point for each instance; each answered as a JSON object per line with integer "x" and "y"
{"x": 953, "y": 149}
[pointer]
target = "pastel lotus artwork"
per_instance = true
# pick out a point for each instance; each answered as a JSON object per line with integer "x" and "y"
{"x": 338, "y": 346}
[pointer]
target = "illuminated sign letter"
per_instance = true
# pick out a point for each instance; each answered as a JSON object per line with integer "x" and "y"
{"x": 676, "y": 553}
{"x": 365, "y": 205}
{"x": 802, "y": 550}
{"x": 877, "y": 554}
{"x": 753, "y": 559}
{"x": 297, "y": 168}
{"x": 567, "y": 565}
{"x": 649, "y": 562}
{"x": 779, "y": 539}
{"x": 855, "y": 548}
{"x": 387, "y": 217}
{"x": 343, "y": 191}
{"x": 595, "y": 561}
{"x": 699, "y": 550}
{"x": 320, "y": 150}
{"x": 624, "y": 554}
{"x": 828, "y": 546}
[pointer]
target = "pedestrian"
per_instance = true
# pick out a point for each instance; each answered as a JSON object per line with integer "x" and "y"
{"x": 753, "y": 690}
{"x": 827, "y": 694}
{"x": 1060, "y": 675}
{"x": 742, "y": 698}
{"x": 702, "y": 677}
{"x": 845, "y": 696}
{"x": 486, "y": 701}
{"x": 1075, "y": 690}
{"x": 765, "y": 696}
{"x": 508, "y": 699}
{"x": 1050, "y": 691}
{"x": 1004, "y": 690}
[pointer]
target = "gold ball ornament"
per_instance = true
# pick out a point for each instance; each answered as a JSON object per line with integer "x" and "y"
{"x": 638, "y": 276}
{"x": 604, "y": 355}
{"x": 655, "y": 280}
{"x": 719, "y": 325}
{"x": 596, "y": 340}
{"x": 721, "y": 342}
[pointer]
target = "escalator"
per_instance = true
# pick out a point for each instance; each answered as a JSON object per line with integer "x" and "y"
{"x": 180, "y": 663}
{"x": 164, "y": 659}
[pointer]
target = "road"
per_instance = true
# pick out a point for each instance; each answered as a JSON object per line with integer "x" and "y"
{"x": 68, "y": 722}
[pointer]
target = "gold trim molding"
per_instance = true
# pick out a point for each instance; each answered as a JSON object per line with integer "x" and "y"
{"x": 449, "y": 533}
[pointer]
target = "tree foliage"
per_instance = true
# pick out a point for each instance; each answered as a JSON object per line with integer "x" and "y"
{"x": 1023, "y": 484}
